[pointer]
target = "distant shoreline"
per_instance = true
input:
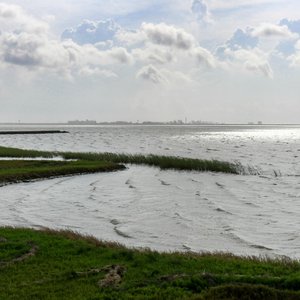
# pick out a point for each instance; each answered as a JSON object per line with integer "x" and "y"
{"x": 148, "y": 124}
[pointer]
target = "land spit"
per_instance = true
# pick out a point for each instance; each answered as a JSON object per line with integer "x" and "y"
{"x": 9, "y": 132}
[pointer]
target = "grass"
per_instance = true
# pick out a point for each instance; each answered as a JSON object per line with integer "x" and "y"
{"x": 13, "y": 171}
{"x": 163, "y": 162}
{"x": 48, "y": 264}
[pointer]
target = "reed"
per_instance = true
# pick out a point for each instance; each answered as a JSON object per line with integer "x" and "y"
{"x": 163, "y": 162}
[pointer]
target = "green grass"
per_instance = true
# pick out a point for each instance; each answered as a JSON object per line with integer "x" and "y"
{"x": 64, "y": 265}
{"x": 13, "y": 171}
{"x": 163, "y": 162}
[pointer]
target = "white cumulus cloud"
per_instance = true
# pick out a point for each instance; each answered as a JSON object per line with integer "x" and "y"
{"x": 272, "y": 30}
{"x": 26, "y": 42}
{"x": 158, "y": 51}
{"x": 14, "y": 16}
{"x": 166, "y": 35}
{"x": 252, "y": 60}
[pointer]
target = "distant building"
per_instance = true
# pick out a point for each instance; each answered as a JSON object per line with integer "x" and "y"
{"x": 175, "y": 122}
{"x": 86, "y": 122}
{"x": 259, "y": 122}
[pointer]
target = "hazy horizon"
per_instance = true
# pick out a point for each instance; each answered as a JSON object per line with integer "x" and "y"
{"x": 211, "y": 60}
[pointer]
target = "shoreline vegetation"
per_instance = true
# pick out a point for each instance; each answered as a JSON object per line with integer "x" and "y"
{"x": 15, "y": 171}
{"x": 163, "y": 162}
{"x": 49, "y": 264}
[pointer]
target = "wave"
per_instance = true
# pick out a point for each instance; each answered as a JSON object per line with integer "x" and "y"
{"x": 237, "y": 238}
{"x": 122, "y": 234}
{"x": 164, "y": 183}
{"x": 218, "y": 209}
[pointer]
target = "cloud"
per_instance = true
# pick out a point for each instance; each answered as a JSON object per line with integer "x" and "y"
{"x": 92, "y": 32}
{"x": 204, "y": 57}
{"x": 244, "y": 48}
{"x": 152, "y": 74}
{"x": 108, "y": 33}
{"x": 153, "y": 55}
{"x": 201, "y": 11}
{"x": 166, "y": 35}
{"x": 252, "y": 60}
{"x": 287, "y": 47}
{"x": 14, "y": 16}
{"x": 91, "y": 71}
{"x": 241, "y": 39}
{"x": 294, "y": 59}
{"x": 261, "y": 67}
{"x": 163, "y": 43}
{"x": 100, "y": 47}
{"x": 118, "y": 54}
{"x": 250, "y": 37}
{"x": 27, "y": 43}
{"x": 88, "y": 49}
{"x": 162, "y": 76}
{"x": 130, "y": 37}
{"x": 272, "y": 30}
{"x": 293, "y": 25}
{"x": 65, "y": 58}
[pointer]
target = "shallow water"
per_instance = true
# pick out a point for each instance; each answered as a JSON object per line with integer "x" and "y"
{"x": 169, "y": 210}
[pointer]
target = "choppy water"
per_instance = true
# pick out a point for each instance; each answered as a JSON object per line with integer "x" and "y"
{"x": 169, "y": 210}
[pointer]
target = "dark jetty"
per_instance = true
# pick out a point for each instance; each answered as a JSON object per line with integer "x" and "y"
{"x": 33, "y": 132}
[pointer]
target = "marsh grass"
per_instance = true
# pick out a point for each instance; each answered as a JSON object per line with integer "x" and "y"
{"x": 67, "y": 265}
{"x": 13, "y": 171}
{"x": 163, "y": 162}
{"x": 15, "y": 152}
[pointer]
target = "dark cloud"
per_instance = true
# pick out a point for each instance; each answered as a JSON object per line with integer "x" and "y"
{"x": 21, "y": 49}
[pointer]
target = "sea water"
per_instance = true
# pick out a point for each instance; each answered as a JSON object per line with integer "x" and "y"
{"x": 170, "y": 210}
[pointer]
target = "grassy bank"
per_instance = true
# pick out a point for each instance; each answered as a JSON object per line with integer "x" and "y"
{"x": 13, "y": 171}
{"x": 63, "y": 265}
{"x": 163, "y": 162}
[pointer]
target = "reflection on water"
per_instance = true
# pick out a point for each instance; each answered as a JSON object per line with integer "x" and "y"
{"x": 169, "y": 210}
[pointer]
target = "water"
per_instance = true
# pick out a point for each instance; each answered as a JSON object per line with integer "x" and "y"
{"x": 170, "y": 210}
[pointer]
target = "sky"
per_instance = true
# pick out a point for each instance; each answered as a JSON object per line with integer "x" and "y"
{"x": 233, "y": 61}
